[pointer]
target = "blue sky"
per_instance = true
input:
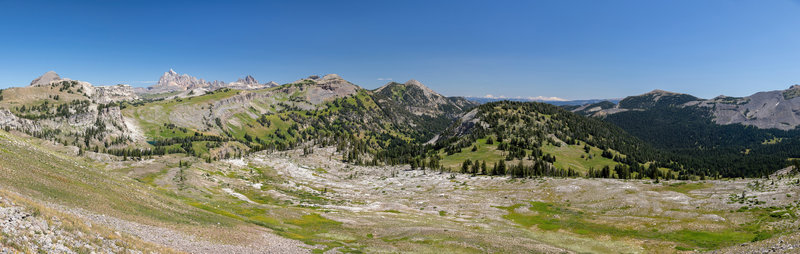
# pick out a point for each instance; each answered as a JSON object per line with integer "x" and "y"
{"x": 570, "y": 49}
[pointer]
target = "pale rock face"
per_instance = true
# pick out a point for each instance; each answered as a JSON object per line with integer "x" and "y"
{"x": 772, "y": 109}
{"x": 328, "y": 87}
{"x": 117, "y": 93}
{"x": 8, "y": 119}
{"x": 46, "y": 79}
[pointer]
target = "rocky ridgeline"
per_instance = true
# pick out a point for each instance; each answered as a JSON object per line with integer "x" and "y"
{"x": 772, "y": 109}
{"x": 99, "y": 94}
{"x": 778, "y": 109}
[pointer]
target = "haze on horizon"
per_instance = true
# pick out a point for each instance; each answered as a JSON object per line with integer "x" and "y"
{"x": 574, "y": 50}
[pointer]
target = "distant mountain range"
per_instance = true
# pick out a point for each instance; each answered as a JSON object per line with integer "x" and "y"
{"x": 557, "y": 102}
{"x": 171, "y": 82}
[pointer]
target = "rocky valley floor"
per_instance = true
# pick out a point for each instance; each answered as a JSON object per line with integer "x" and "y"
{"x": 286, "y": 202}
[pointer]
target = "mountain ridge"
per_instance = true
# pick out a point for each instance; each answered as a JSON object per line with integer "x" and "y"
{"x": 778, "y": 109}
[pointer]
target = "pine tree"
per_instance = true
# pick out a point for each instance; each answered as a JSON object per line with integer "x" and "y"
{"x": 500, "y": 169}
{"x": 465, "y": 166}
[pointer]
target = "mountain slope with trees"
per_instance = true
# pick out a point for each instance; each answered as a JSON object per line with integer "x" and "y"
{"x": 535, "y": 139}
{"x": 385, "y": 126}
{"x": 692, "y": 132}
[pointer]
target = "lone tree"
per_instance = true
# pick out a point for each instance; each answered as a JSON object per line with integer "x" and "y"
{"x": 465, "y": 166}
{"x": 500, "y": 168}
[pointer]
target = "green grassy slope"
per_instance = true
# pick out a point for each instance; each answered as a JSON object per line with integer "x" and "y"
{"x": 51, "y": 176}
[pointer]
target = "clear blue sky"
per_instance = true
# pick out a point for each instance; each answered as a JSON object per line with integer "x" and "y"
{"x": 570, "y": 49}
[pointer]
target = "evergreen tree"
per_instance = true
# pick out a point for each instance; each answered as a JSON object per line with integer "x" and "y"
{"x": 465, "y": 166}
{"x": 500, "y": 169}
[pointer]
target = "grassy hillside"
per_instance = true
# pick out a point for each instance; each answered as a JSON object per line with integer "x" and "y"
{"x": 152, "y": 198}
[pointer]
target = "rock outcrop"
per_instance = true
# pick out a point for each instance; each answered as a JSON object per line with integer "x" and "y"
{"x": 46, "y": 79}
{"x": 111, "y": 94}
{"x": 318, "y": 90}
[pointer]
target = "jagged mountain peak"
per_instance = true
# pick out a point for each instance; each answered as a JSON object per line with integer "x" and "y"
{"x": 172, "y": 81}
{"x": 46, "y": 79}
{"x": 248, "y": 80}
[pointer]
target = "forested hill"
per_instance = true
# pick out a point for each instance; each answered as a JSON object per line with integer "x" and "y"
{"x": 709, "y": 148}
{"x": 531, "y": 138}
{"x": 700, "y": 135}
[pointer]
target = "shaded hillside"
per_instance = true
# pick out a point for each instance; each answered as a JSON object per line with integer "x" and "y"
{"x": 705, "y": 147}
{"x": 702, "y": 135}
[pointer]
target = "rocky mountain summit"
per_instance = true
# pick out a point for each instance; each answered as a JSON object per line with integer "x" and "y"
{"x": 421, "y": 100}
{"x": 317, "y": 90}
{"x": 46, "y": 79}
